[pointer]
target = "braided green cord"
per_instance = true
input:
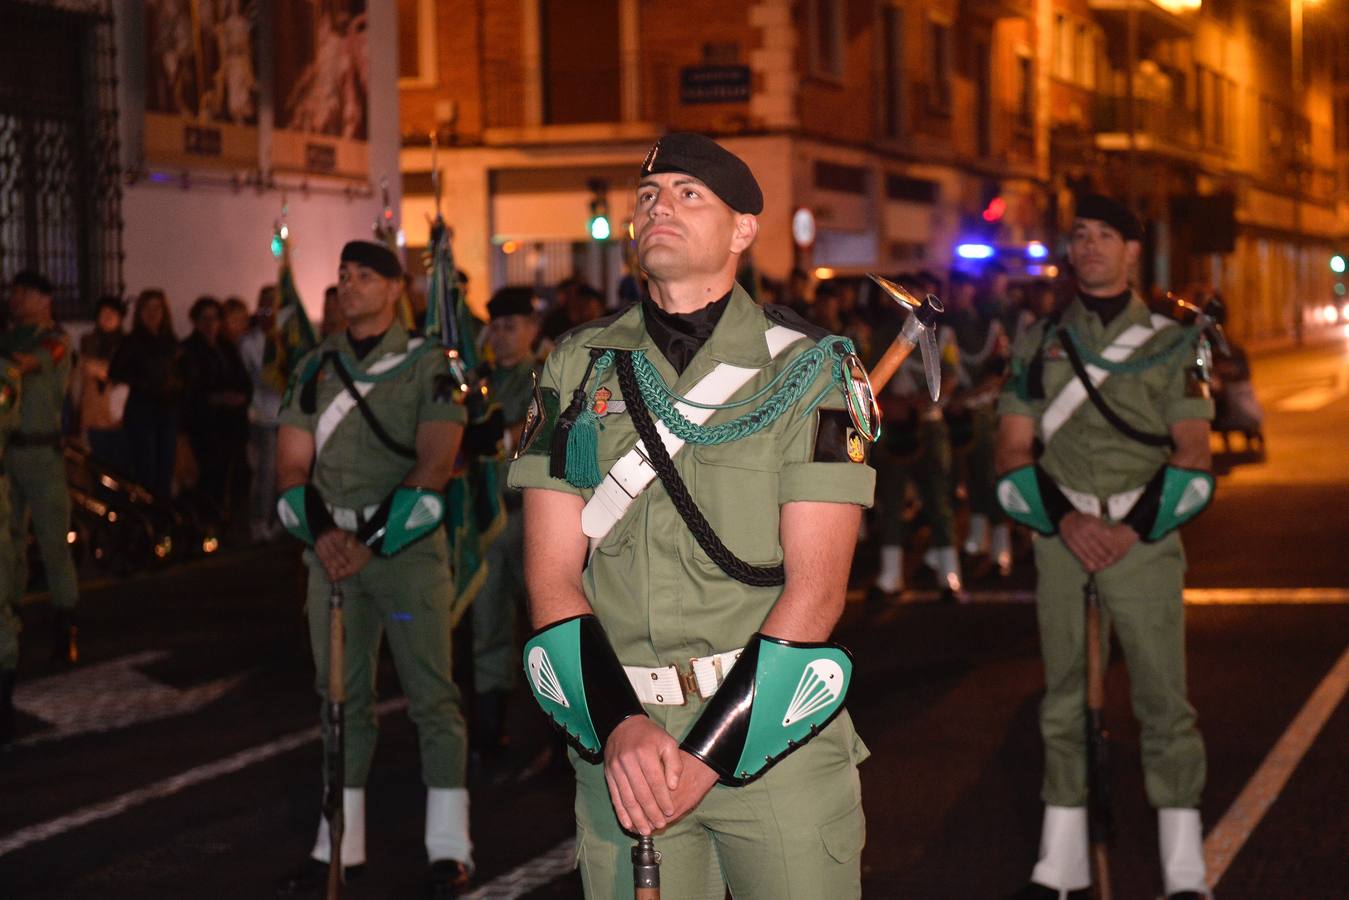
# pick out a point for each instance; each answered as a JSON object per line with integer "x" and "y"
{"x": 357, "y": 374}
{"x": 1132, "y": 364}
{"x": 795, "y": 381}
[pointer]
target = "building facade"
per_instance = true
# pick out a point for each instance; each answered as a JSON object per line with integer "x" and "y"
{"x": 905, "y": 129}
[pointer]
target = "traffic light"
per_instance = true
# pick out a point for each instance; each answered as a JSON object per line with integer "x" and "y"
{"x": 598, "y": 226}
{"x": 1337, "y": 264}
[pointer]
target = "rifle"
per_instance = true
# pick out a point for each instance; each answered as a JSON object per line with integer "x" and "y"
{"x": 335, "y": 757}
{"x": 645, "y": 869}
{"x": 1100, "y": 820}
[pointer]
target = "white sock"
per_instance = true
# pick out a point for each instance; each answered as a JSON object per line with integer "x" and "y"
{"x": 1000, "y": 547}
{"x": 1063, "y": 862}
{"x": 447, "y": 825}
{"x": 890, "y": 578}
{"x": 974, "y": 541}
{"x": 946, "y": 563}
{"x": 353, "y": 832}
{"x": 1180, "y": 838}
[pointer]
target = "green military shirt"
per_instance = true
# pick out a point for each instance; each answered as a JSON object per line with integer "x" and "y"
{"x": 353, "y": 468}
{"x": 44, "y": 390}
{"x": 660, "y": 597}
{"x": 1087, "y": 453}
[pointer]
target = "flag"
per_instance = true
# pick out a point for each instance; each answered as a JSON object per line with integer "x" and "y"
{"x": 290, "y": 334}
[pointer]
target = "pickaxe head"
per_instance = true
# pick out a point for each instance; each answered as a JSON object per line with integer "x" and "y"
{"x": 919, "y": 329}
{"x": 1209, "y": 319}
{"x": 927, "y": 309}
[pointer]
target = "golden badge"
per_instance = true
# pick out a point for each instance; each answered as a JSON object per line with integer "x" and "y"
{"x": 602, "y": 401}
{"x": 856, "y": 449}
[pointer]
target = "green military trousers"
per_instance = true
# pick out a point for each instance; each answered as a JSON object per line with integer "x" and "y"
{"x": 37, "y": 477}
{"x": 10, "y": 626}
{"x": 496, "y": 659}
{"x": 929, "y": 469}
{"x": 981, "y": 474}
{"x": 408, "y": 597}
{"x": 1141, "y": 598}
{"x": 797, "y": 832}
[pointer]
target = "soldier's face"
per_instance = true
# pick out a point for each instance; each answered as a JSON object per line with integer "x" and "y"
{"x": 683, "y": 229}
{"x": 512, "y": 337}
{"x": 1101, "y": 257}
{"x": 363, "y": 293}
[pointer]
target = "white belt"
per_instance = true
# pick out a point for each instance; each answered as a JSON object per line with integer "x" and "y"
{"x": 668, "y": 686}
{"x": 1116, "y": 505}
{"x": 351, "y": 519}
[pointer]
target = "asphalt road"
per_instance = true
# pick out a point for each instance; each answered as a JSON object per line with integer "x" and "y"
{"x": 178, "y": 759}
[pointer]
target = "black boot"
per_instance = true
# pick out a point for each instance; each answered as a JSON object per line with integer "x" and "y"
{"x": 449, "y": 878}
{"x": 311, "y": 879}
{"x": 6, "y": 706}
{"x": 489, "y": 724}
{"x": 65, "y": 637}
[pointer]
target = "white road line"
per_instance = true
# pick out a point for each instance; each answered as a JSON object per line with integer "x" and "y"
{"x": 542, "y": 869}
{"x": 1226, "y": 840}
{"x": 45, "y": 831}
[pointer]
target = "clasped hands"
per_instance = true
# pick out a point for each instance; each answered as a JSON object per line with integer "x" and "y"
{"x": 652, "y": 783}
{"x": 342, "y": 553}
{"x": 1096, "y": 543}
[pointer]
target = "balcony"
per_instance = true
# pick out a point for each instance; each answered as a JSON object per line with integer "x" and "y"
{"x": 1160, "y": 128}
{"x": 1158, "y": 20}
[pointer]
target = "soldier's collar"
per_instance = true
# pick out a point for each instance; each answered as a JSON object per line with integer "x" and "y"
{"x": 1135, "y": 313}
{"x": 395, "y": 340}
{"x": 738, "y": 338}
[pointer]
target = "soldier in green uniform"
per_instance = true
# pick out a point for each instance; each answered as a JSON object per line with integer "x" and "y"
{"x": 34, "y": 464}
{"x": 685, "y": 585}
{"x": 366, "y": 445}
{"x": 983, "y": 362}
{"x": 915, "y": 449}
{"x": 1123, "y": 465}
{"x": 511, "y": 333}
{"x": 10, "y": 626}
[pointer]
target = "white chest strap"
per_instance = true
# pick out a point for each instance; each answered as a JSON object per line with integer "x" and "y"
{"x": 1068, "y": 400}
{"x": 344, "y": 402}
{"x": 628, "y": 477}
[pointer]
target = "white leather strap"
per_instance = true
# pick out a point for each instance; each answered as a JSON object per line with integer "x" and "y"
{"x": 664, "y": 685}
{"x": 1068, "y": 400}
{"x": 630, "y": 475}
{"x": 344, "y": 403}
{"x": 1116, "y": 506}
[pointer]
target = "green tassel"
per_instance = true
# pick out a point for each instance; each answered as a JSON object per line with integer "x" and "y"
{"x": 583, "y": 448}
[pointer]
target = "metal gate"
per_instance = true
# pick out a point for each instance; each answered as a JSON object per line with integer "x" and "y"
{"x": 60, "y": 189}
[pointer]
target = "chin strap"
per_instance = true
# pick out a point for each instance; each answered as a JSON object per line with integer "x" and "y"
{"x": 1032, "y": 498}
{"x": 778, "y": 695}
{"x": 303, "y": 513}
{"x": 1173, "y": 497}
{"x": 406, "y": 516}
{"x": 579, "y": 683}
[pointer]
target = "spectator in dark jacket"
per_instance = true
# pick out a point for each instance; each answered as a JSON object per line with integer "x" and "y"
{"x": 215, "y": 409}
{"x": 148, "y": 361}
{"x": 103, "y": 403}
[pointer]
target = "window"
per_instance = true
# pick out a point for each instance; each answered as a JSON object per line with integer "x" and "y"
{"x": 1063, "y": 48}
{"x": 939, "y": 67}
{"x": 416, "y": 43}
{"x": 580, "y": 44}
{"x": 1342, "y": 124}
{"x": 1025, "y": 103}
{"x": 826, "y": 45}
{"x": 838, "y": 177}
{"x": 892, "y": 25}
{"x": 1083, "y": 55}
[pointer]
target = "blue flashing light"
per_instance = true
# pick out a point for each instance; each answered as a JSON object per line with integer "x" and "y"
{"x": 1036, "y": 250}
{"x": 975, "y": 251}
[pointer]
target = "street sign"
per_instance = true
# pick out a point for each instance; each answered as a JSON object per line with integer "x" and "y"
{"x": 803, "y": 227}
{"x": 714, "y": 84}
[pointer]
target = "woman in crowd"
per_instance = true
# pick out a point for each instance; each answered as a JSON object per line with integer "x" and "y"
{"x": 148, "y": 361}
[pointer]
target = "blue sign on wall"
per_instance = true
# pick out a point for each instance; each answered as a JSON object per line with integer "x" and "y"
{"x": 714, "y": 84}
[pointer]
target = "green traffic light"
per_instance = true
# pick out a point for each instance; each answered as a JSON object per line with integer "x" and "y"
{"x": 599, "y": 228}
{"x": 1337, "y": 264}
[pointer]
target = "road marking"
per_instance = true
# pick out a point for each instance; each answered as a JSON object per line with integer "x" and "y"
{"x": 45, "y": 831}
{"x": 109, "y": 696}
{"x": 1241, "y": 819}
{"x": 1295, "y": 596}
{"x": 542, "y": 869}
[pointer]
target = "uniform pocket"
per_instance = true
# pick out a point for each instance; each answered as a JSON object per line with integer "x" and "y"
{"x": 844, "y": 836}
{"x": 736, "y": 487}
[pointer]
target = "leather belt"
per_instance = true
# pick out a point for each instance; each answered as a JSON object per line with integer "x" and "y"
{"x": 351, "y": 519}
{"x": 671, "y": 686}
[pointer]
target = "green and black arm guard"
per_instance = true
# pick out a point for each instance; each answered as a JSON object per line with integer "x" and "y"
{"x": 1173, "y": 497}
{"x": 579, "y": 683}
{"x": 1032, "y": 498}
{"x": 406, "y": 516}
{"x": 777, "y": 696}
{"x": 303, "y": 513}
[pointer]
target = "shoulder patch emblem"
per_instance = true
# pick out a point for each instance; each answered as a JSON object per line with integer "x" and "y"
{"x": 540, "y": 418}
{"x": 856, "y": 451}
{"x": 836, "y": 440}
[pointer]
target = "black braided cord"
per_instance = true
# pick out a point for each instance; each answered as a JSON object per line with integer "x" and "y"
{"x": 728, "y": 562}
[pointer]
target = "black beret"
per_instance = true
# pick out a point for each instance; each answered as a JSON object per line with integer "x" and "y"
{"x": 1111, "y": 212}
{"x": 34, "y": 281}
{"x": 712, "y": 164}
{"x": 373, "y": 256}
{"x": 511, "y": 301}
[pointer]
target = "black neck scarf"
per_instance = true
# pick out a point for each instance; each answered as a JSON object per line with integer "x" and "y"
{"x": 680, "y": 336}
{"x": 1106, "y": 308}
{"x": 362, "y": 346}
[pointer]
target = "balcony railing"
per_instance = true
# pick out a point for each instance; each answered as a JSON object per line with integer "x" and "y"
{"x": 1163, "y": 125}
